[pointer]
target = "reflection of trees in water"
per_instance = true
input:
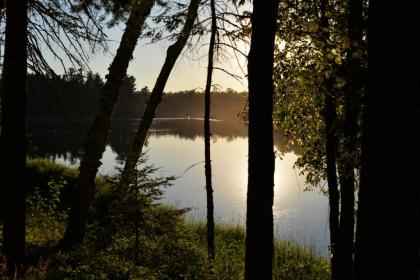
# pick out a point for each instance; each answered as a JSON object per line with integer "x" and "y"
{"x": 193, "y": 129}
{"x": 56, "y": 139}
{"x": 66, "y": 140}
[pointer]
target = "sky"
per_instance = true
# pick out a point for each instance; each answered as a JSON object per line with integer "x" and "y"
{"x": 188, "y": 73}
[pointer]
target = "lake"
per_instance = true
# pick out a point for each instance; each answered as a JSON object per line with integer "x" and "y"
{"x": 176, "y": 146}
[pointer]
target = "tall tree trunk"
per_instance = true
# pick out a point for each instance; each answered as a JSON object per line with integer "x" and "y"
{"x": 330, "y": 117}
{"x": 13, "y": 140}
{"x": 387, "y": 235}
{"x": 259, "y": 218}
{"x": 207, "y": 135}
{"x": 96, "y": 142}
{"x": 348, "y": 156}
{"x": 155, "y": 98}
{"x": 333, "y": 193}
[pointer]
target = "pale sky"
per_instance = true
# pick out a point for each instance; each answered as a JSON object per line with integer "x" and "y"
{"x": 188, "y": 73}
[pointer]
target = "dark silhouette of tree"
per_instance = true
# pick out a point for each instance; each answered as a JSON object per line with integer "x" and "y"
{"x": 131, "y": 102}
{"x": 348, "y": 151}
{"x": 95, "y": 145}
{"x": 259, "y": 221}
{"x": 207, "y": 135}
{"x": 73, "y": 96}
{"x": 66, "y": 33}
{"x": 224, "y": 105}
{"x": 13, "y": 139}
{"x": 155, "y": 98}
{"x": 75, "y": 99}
{"x": 53, "y": 25}
{"x": 77, "y": 95}
{"x": 330, "y": 117}
{"x": 387, "y": 234}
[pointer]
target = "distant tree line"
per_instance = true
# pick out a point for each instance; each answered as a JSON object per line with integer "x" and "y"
{"x": 225, "y": 105}
{"x": 76, "y": 95}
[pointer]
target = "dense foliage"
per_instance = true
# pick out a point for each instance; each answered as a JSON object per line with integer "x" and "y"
{"x": 304, "y": 63}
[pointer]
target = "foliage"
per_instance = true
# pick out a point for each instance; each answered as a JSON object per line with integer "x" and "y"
{"x": 304, "y": 63}
{"x": 169, "y": 247}
{"x": 117, "y": 10}
{"x": 51, "y": 185}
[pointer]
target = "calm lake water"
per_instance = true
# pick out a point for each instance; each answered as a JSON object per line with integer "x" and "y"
{"x": 174, "y": 145}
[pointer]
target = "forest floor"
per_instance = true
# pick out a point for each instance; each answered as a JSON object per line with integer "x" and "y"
{"x": 166, "y": 247}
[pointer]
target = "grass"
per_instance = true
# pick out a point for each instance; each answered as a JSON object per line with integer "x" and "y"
{"x": 291, "y": 260}
{"x": 169, "y": 247}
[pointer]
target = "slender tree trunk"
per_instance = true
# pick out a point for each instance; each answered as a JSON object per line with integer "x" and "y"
{"x": 155, "y": 98}
{"x": 346, "y": 229}
{"x": 330, "y": 117}
{"x": 259, "y": 219}
{"x": 333, "y": 193}
{"x": 348, "y": 156}
{"x": 207, "y": 135}
{"x": 387, "y": 236}
{"x": 13, "y": 140}
{"x": 136, "y": 220}
{"x": 96, "y": 142}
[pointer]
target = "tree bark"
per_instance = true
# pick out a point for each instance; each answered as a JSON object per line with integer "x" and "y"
{"x": 98, "y": 134}
{"x": 207, "y": 135}
{"x": 155, "y": 98}
{"x": 352, "y": 92}
{"x": 259, "y": 219}
{"x": 13, "y": 139}
{"x": 387, "y": 235}
{"x": 330, "y": 117}
{"x": 333, "y": 193}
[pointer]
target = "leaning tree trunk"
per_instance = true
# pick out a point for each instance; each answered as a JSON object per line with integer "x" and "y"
{"x": 330, "y": 117}
{"x": 259, "y": 219}
{"x": 96, "y": 142}
{"x": 207, "y": 135}
{"x": 352, "y": 91}
{"x": 13, "y": 140}
{"x": 387, "y": 235}
{"x": 155, "y": 98}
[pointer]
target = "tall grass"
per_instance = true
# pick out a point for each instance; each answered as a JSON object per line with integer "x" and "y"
{"x": 171, "y": 247}
{"x": 291, "y": 260}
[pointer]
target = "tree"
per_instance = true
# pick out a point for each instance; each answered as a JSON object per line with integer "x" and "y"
{"x": 13, "y": 139}
{"x": 130, "y": 102}
{"x": 207, "y": 134}
{"x": 59, "y": 28}
{"x": 319, "y": 84}
{"x": 259, "y": 217}
{"x": 388, "y": 220}
{"x": 95, "y": 144}
{"x": 348, "y": 154}
{"x": 330, "y": 119}
{"x": 51, "y": 24}
{"x": 156, "y": 96}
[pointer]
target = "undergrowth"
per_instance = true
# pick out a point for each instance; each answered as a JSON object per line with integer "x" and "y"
{"x": 166, "y": 247}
